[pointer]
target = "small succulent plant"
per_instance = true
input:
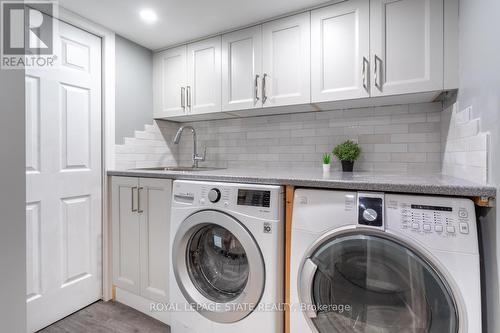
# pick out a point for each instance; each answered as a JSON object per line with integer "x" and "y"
{"x": 327, "y": 158}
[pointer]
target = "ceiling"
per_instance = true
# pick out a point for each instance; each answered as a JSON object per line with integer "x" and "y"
{"x": 180, "y": 20}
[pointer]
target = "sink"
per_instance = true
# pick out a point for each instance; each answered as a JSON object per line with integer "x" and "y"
{"x": 179, "y": 168}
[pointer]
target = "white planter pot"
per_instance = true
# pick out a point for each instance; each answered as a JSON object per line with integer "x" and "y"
{"x": 326, "y": 168}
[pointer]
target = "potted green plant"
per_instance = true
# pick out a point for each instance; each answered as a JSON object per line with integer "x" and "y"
{"x": 327, "y": 162}
{"x": 347, "y": 152}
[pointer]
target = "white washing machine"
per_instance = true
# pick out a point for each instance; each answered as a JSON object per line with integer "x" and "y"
{"x": 227, "y": 258}
{"x": 369, "y": 262}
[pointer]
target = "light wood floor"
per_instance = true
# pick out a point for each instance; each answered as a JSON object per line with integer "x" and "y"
{"x": 104, "y": 317}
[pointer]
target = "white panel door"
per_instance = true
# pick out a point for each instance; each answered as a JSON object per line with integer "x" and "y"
{"x": 242, "y": 69}
{"x": 203, "y": 91}
{"x": 406, "y": 38}
{"x": 63, "y": 179}
{"x": 126, "y": 233}
{"x": 340, "y": 51}
{"x": 170, "y": 76}
{"x": 154, "y": 210}
{"x": 286, "y": 61}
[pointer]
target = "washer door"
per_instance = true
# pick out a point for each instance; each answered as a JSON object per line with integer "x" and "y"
{"x": 218, "y": 266}
{"x": 372, "y": 283}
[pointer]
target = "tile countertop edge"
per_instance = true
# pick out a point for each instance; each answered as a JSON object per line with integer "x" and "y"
{"x": 468, "y": 190}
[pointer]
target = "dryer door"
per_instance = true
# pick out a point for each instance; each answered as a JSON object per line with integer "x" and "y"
{"x": 372, "y": 283}
{"x": 218, "y": 266}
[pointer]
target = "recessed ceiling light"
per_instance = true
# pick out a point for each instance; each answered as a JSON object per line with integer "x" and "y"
{"x": 148, "y": 15}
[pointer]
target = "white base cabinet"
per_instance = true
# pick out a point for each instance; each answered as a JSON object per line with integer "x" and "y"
{"x": 141, "y": 234}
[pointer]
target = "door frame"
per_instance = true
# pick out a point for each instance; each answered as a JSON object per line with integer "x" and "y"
{"x": 108, "y": 132}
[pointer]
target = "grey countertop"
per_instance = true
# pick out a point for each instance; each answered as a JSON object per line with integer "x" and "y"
{"x": 314, "y": 177}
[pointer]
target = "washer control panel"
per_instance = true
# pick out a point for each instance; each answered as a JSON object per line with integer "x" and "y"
{"x": 214, "y": 195}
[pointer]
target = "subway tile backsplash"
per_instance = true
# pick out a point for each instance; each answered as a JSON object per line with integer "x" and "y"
{"x": 402, "y": 138}
{"x": 148, "y": 148}
{"x": 393, "y": 138}
{"x": 465, "y": 148}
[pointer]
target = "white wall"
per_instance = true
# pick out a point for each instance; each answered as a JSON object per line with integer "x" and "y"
{"x": 12, "y": 203}
{"x": 134, "y": 87}
{"x": 479, "y": 51}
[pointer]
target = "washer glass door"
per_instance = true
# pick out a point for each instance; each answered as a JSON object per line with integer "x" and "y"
{"x": 218, "y": 266}
{"x": 372, "y": 284}
{"x": 217, "y": 263}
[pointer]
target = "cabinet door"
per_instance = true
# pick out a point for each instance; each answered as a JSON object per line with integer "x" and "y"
{"x": 241, "y": 69}
{"x": 203, "y": 91}
{"x": 125, "y": 225}
{"x": 406, "y": 38}
{"x": 286, "y": 61}
{"x": 170, "y": 82}
{"x": 340, "y": 51}
{"x": 154, "y": 210}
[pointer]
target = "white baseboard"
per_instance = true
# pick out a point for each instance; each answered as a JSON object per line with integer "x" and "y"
{"x": 141, "y": 304}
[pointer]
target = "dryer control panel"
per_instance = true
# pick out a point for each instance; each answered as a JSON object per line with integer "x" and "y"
{"x": 433, "y": 218}
{"x": 371, "y": 209}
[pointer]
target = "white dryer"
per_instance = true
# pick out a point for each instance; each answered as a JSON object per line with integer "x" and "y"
{"x": 369, "y": 262}
{"x": 227, "y": 258}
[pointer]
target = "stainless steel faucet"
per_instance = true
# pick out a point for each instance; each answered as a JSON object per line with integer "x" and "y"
{"x": 196, "y": 157}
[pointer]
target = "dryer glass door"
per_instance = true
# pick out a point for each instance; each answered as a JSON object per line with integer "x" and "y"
{"x": 366, "y": 283}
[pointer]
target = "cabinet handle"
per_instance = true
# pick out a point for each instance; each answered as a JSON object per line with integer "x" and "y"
{"x": 378, "y": 72}
{"x": 366, "y": 72}
{"x": 256, "y": 88}
{"x": 188, "y": 96}
{"x": 133, "y": 189}
{"x": 183, "y": 104}
{"x": 139, "y": 210}
{"x": 264, "y": 97}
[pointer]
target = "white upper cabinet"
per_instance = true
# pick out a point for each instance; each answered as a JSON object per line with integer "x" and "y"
{"x": 170, "y": 78}
{"x": 406, "y": 38}
{"x": 345, "y": 52}
{"x": 203, "y": 89}
{"x": 241, "y": 69}
{"x": 340, "y": 51}
{"x": 286, "y": 61}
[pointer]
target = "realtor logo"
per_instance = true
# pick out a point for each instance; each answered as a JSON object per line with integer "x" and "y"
{"x": 28, "y": 30}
